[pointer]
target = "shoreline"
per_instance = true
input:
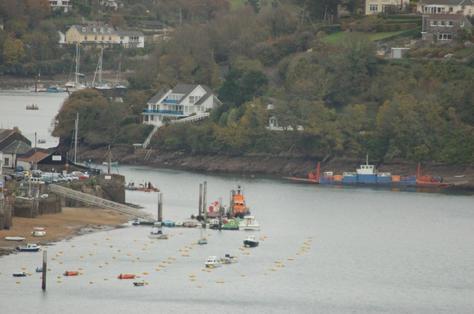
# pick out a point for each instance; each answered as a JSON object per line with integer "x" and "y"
{"x": 71, "y": 222}
{"x": 460, "y": 176}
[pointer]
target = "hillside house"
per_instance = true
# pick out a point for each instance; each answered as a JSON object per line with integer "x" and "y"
{"x": 464, "y": 7}
{"x": 64, "y": 5}
{"x": 444, "y": 27}
{"x": 385, "y": 6}
{"x": 182, "y": 101}
{"x": 104, "y": 35}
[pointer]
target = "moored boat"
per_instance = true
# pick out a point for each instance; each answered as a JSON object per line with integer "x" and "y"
{"x": 238, "y": 207}
{"x": 126, "y": 276}
{"x": 228, "y": 259}
{"x": 14, "y": 238}
{"x": 32, "y": 107}
{"x": 251, "y": 241}
{"x": 138, "y": 283}
{"x": 157, "y": 233}
{"x": 212, "y": 262}
{"x": 38, "y": 233}
{"x": 19, "y": 274}
{"x": 30, "y": 247}
{"x": 68, "y": 273}
{"x": 367, "y": 174}
{"x": 249, "y": 223}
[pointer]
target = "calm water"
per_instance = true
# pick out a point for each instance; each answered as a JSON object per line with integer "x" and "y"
{"x": 13, "y": 113}
{"x": 343, "y": 251}
{"x": 322, "y": 250}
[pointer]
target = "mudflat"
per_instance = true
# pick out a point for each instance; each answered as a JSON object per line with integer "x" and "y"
{"x": 71, "y": 221}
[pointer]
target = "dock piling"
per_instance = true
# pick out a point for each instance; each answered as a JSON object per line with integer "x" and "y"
{"x": 200, "y": 202}
{"x": 45, "y": 269}
{"x": 204, "y": 200}
{"x": 160, "y": 207}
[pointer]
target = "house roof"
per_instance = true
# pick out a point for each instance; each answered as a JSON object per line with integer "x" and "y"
{"x": 104, "y": 29}
{"x": 16, "y": 147}
{"x": 5, "y": 133}
{"x": 156, "y": 97}
{"x": 183, "y": 88}
{"x": 35, "y": 157}
{"x": 448, "y": 2}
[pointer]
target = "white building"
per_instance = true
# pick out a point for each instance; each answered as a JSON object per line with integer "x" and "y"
{"x": 180, "y": 102}
{"x": 64, "y": 5}
{"x": 464, "y": 7}
{"x": 382, "y": 6}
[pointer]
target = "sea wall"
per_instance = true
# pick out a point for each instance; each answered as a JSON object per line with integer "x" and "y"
{"x": 6, "y": 209}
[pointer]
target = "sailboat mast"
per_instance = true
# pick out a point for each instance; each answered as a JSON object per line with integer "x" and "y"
{"x": 75, "y": 137}
{"x": 100, "y": 64}
{"x": 76, "y": 76}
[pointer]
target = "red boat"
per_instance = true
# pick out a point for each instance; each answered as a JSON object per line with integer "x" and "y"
{"x": 126, "y": 276}
{"x": 71, "y": 273}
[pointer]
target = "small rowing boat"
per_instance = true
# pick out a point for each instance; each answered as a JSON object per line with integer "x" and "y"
{"x": 20, "y": 274}
{"x": 126, "y": 276}
{"x": 68, "y": 273}
{"x": 14, "y": 238}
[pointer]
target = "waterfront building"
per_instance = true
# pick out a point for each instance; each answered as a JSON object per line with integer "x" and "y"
{"x": 12, "y": 143}
{"x": 103, "y": 35}
{"x": 183, "y": 101}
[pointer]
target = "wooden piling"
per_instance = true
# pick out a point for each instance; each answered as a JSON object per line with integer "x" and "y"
{"x": 160, "y": 207}
{"x": 204, "y": 200}
{"x": 45, "y": 269}
{"x": 200, "y": 202}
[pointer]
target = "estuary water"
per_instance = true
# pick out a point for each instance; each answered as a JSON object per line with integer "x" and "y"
{"x": 13, "y": 113}
{"x": 322, "y": 250}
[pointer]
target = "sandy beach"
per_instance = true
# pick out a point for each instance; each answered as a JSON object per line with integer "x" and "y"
{"x": 70, "y": 222}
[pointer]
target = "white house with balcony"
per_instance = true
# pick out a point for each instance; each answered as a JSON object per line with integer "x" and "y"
{"x": 184, "y": 100}
{"x": 64, "y": 5}
{"x": 464, "y": 7}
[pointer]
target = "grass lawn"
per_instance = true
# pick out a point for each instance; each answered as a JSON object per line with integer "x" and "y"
{"x": 235, "y": 4}
{"x": 340, "y": 37}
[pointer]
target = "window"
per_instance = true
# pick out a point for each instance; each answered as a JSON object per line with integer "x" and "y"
{"x": 110, "y": 37}
{"x": 450, "y": 23}
{"x": 445, "y": 36}
{"x": 7, "y": 161}
{"x": 85, "y": 37}
{"x": 373, "y": 7}
{"x": 95, "y": 37}
{"x": 443, "y": 23}
{"x": 434, "y": 23}
{"x": 450, "y": 9}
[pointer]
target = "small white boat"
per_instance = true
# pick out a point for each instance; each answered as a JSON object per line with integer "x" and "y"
{"x": 228, "y": 259}
{"x": 30, "y": 247}
{"x": 251, "y": 241}
{"x": 157, "y": 233}
{"x": 14, "y": 238}
{"x": 38, "y": 233}
{"x": 212, "y": 262}
{"x": 249, "y": 223}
